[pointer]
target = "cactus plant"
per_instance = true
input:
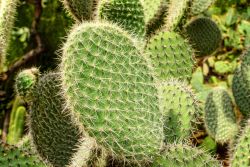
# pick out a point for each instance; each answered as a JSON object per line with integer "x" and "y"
{"x": 110, "y": 84}
{"x": 220, "y": 119}
{"x": 129, "y": 14}
{"x": 13, "y": 156}
{"x": 203, "y": 34}
{"x": 151, "y": 8}
{"x": 7, "y": 13}
{"x": 171, "y": 56}
{"x": 16, "y": 125}
{"x": 81, "y": 9}
{"x": 181, "y": 155}
{"x": 241, "y": 85}
{"x": 55, "y": 133}
{"x": 241, "y": 151}
{"x": 181, "y": 111}
{"x": 25, "y": 81}
{"x": 199, "y": 6}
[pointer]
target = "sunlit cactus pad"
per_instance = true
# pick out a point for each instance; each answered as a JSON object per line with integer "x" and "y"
{"x": 171, "y": 56}
{"x": 110, "y": 84}
{"x": 199, "y": 6}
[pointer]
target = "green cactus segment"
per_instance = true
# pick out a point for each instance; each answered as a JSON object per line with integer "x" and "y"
{"x": 7, "y": 13}
{"x": 16, "y": 125}
{"x": 171, "y": 56}
{"x": 181, "y": 111}
{"x": 81, "y": 9}
{"x": 204, "y": 35}
{"x": 176, "y": 11}
{"x": 199, "y": 6}
{"x": 220, "y": 119}
{"x": 242, "y": 150}
{"x": 25, "y": 81}
{"x": 241, "y": 85}
{"x": 129, "y": 14}
{"x": 55, "y": 134}
{"x": 13, "y": 156}
{"x": 111, "y": 86}
{"x": 180, "y": 155}
{"x": 150, "y": 8}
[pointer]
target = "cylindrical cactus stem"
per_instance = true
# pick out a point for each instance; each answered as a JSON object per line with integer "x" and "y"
{"x": 16, "y": 126}
{"x": 7, "y": 13}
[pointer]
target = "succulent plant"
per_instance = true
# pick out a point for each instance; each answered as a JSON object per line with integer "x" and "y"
{"x": 110, "y": 85}
{"x": 220, "y": 119}
{"x": 199, "y": 6}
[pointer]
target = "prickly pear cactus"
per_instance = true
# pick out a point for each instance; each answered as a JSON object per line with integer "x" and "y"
{"x": 110, "y": 84}
{"x": 175, "y": 13}
{"x": 171, "y": 56}
{"x": 13, "y": 156}
{"x": 204, "y": 35}
{"x": 241, "y": 85}
{"x": 241, "y": 151}
{"x": 81, "y": 9}
{"x": 55, "y": 134}
{"x": 25, "y": 81}
{"x": 181, "y": 111}
{"x": 129, "y": 14}
{"x": 151, "y": 8}
{"x": 180, "y": 155}
{"x": 7, "y": 13}
{"x": 220, "y": 119}
{"x": 199, "y": 6}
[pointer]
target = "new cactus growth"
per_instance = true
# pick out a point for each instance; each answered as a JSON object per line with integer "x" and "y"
{"x": 181, "y": 155}
{"x": 199, "y": 6}
{"x": 16, "y": 125}
{"x": 81, "y": 9}
{"x": 129, "y": 14}
{"x": 241, "y": 85}
{"x": 55, "y": 133}
{"x": 7, "y": 13}
{"x": 171, "y": 56}
{"x": 109, "y": 83}
{"x": 220, "y": 119}
{"x": 25, "y": 81}
{"x": 181, "y": 111}
{"x": 13, "y": 156}
{"x": 241, "y": 151}
{"x": 204, "y": 35}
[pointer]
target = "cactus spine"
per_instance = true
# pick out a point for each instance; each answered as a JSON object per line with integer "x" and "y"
{"x": 220, "y": 119}
{"x": 118, "y": 100}
{"x": 7, "y": 13}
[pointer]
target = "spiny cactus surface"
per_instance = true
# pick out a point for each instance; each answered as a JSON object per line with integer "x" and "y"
{"x": 13, "y": 156}
{"x": 220, "y": 119}
{"x": 25, "y": 81}
{"x": 7, "y": 13}
{"x": 129, "y": 14}
{"x": 181, "y": 155}
{"x": 171, "y": 56}
{"x": 181, "y": 110}
{"x": 199, "y": 6}
{"x": 55, "y": 134}
{"x": 204, "y": 35}
{"x": 151, "y": 8}
{"x": 110, "y": 84}
{"x": 81, "y": 9}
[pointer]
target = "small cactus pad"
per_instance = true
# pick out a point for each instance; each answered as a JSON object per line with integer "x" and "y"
{"x": 176, "y": 11}
{"x": 110, "y": 84}
{"x": 199, "y": 6}
{"x": 180, "y": 155}
{"x": 240, "y": 157}
{"x": 204, "y": 35}
{"x": 25, "y": 81}
{"x": 129, "y": 14}
{"x": 171, "y": 56}
{"x": 13, "y": 156}
{"x": 180, "y": 111}
{"x": 55, "y": 134}
{"x": 241, "y": 85}
{"x": 150, "y": 8}
{"x": 81, "y": 9}
{"x": 220, "y": 119}
{"x": 7, "y": 13}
